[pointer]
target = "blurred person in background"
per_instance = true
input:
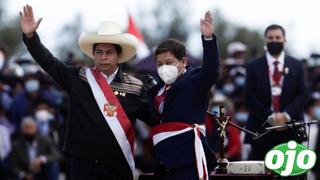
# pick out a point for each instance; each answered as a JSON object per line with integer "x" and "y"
{"x": 33, "y": 156}
{"x": 241, "y": 115}
{"x": 233, "y": 64}
{"x": 23, "y": 101}
{"x": 45, "y": 118}
{"x": 5, "y": 144}
{"x": 312, "y": 112}
{"x": 237, "y": 54}
{"x": 232, "y": 139}
{"x": 276, "y": 93}
{"x": 5, "y": 96}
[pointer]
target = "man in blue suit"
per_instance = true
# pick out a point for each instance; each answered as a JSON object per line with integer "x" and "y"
{"x": 180, "y": 104}
{"x": 276, "y": 93}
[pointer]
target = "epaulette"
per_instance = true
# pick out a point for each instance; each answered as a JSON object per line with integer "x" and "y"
{"x": 82, "y": 73}
{"x": 129, "y": 85}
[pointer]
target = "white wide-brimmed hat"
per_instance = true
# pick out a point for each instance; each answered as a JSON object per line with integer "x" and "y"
{"x": 109, "y": 32}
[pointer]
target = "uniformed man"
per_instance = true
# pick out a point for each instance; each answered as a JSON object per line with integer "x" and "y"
{"x": 180, "y": 104}
{"x": 104, "y": 101}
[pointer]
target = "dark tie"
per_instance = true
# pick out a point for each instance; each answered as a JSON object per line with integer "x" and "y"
{"x": 276, "y": 79}
{"x": 276, "y": 74}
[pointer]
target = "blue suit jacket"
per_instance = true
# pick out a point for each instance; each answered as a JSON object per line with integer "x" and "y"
{"x": 293, "y": 98}
{"x": 187, "y": 101}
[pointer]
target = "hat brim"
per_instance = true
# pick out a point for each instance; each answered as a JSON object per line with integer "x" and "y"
{"x": 128, "y": 44}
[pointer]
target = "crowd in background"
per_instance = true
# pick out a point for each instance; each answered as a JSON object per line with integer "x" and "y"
{"x": 33, "y": 107}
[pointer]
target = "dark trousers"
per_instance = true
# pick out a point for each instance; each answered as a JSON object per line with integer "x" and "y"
{"x": 95, "y": 170}
{"x": 49, "y": 171}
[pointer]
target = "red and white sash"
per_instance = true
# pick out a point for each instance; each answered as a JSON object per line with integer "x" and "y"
{"x": 117, "y": 120}
{"x": 167, "y": 130}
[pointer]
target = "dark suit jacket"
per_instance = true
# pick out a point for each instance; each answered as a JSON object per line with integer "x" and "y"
{"x": 187, "y": 101}
{"x": 19, "y": 155}
{"x": 293, "y": 98}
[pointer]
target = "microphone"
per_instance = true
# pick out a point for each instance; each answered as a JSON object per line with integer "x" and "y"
{"x": 299, "y": 126}
{"x": 149, "y": 82}
{"x": 269, "y": 120}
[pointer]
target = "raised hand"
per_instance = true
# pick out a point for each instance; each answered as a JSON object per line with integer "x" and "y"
{"x": 27, "y": 22}
{"x": 206, "y": 25}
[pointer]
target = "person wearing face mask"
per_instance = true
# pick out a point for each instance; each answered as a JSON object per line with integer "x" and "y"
{"x": 276, "y": 93}
{"x": 312, "y": 112}
{"x": 180, "y": 102}
{"x": 232, "y": 139}
{"x": 45, "y": 119}
{"x": 23, "y": 101}
{"x": 33, "y": 156}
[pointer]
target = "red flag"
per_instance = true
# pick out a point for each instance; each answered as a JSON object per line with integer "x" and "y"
{"x": 143, "y": 50}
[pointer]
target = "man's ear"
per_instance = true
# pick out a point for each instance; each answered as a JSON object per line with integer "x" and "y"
{"x": 184, "y": 61}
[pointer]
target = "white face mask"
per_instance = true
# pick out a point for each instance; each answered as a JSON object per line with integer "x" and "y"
{"x": 168, "y": 73}
{"x": 43, "y": 116}
{"x": 32, "y": 86}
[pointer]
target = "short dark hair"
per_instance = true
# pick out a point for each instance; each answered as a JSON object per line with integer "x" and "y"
{"x": 177, "y": 48}
{"x": 274, "y": 27}
{"x": 116, "y": 46}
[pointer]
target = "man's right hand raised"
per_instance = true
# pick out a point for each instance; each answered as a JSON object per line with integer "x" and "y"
{"x": 27, "y": 22}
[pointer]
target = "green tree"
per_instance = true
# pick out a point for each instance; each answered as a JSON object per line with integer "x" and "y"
{"x": 169, "y": 21}
{"x": 10, "y": 36}
{"x": 229, "y": 32}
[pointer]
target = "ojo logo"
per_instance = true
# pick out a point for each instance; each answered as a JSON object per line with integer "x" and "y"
{"x": 290, "y": 159}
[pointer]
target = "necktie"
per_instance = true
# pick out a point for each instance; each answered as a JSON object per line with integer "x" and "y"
{"x": 276, "y": 74}
{"x": 159, "y": 100}
{"x": 276, "y": 77}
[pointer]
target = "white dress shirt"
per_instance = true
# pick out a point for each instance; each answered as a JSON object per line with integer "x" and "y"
{"x": 271, "y": 60}
{"x": 111, "y": 77}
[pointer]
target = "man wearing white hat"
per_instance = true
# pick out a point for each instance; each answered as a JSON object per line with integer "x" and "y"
{"x": 104, "y": 101}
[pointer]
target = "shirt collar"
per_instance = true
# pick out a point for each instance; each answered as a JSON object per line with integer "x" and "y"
{"x": 271, "y": 59}
{"x": 111, "y": 77}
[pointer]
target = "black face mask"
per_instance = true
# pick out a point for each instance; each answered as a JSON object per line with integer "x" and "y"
{"x": 29, "y": 137}
{"x": 275, "y": 48}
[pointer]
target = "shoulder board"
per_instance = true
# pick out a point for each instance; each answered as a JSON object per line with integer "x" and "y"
{"x": 82, "y": 73}
{"x": 130, "y": 85}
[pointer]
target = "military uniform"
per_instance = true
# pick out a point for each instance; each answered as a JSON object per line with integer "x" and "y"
{"x": 89, "y": 139}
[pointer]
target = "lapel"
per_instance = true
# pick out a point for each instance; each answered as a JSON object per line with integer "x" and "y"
{"x": 285, "y": 85}
{"x": 119, "y": 78}
{"x": 263, "y": 73}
